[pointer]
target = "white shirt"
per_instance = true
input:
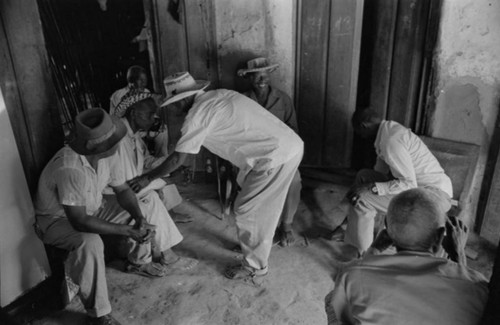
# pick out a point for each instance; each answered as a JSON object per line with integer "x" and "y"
{"x": 409, "y": 161}
{"x": 236, "y": 128}
{"x": 408, "y": 288}
{"x": 134, "y": 156}
{"x": 69, "y": 179}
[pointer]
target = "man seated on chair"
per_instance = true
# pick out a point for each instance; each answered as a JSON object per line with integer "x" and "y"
{"x": 137, "y": 80}
{"x": 403, "y": 162}
{"x": 138, "y": 111}
{"x": 280, "y": 105}
{"x": 266, "y": 151}
{"x": 414, "y": 286}
{"x": 71, "y": 213}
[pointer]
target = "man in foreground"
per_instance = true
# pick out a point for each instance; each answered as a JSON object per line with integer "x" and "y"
{"x": 237, "y": 129}
{"x": 71, "y": 213}
{"x": 280, "y": 105}
{"x": 403, "y": 162}
{"x": 414, "y": 286}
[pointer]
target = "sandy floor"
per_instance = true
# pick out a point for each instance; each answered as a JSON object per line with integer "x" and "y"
{"x": 293, "y": 292}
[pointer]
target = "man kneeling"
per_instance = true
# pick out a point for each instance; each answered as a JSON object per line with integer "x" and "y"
{"x": 414, "y": 286}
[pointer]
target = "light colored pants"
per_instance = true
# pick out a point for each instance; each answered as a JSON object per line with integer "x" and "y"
{"x": 292, "y": 200}
{"x": 257, "y": 210}
{"x": 361, "y": 217}
{"x": 85, "y": 263}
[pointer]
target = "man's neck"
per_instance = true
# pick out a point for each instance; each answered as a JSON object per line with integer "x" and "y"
{"x": 132, "y": 124}
{"x": 92, "y": 161}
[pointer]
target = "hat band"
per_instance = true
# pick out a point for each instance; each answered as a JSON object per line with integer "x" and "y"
{"x": 94, "y": 142}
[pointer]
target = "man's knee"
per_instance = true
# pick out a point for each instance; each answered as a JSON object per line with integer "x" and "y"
{"x": 364, "y": 176}
{"x": 90, "y": 243}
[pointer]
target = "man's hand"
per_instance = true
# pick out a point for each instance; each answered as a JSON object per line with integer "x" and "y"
{"x": 355, "y": 192}
{"x": 455, "y": 240}
{"x": 138, "y": 183}
{"x": 142, "y": 231}
{"x": 380, "y": 244}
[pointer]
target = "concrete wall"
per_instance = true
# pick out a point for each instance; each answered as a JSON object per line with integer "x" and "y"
{"x": 23, "y": 263}
{"x": 247, "y": 29}
{"x": 468, "y": 60}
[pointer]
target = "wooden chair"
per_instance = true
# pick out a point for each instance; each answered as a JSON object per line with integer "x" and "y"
{"x": 459, "y": 161}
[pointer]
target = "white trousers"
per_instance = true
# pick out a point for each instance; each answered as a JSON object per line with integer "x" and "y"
{"x": 258, "y": 207}
{"x": 85, "y": 263}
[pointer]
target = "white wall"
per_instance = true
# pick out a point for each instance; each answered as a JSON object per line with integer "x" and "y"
{"x": 468, "y": 59}
{"x": 248, "y": 29}
{"x": 23, "y": 263}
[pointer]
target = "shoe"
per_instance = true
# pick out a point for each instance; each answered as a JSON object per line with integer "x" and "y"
{"x": 243, "y": 272}
{"x": 103, "y": 320}
{"x": 181, "y": 264}
{"x": 150, "y": 270}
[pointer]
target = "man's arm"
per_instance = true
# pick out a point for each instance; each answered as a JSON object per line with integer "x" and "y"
{"x": 77, "y": 216}
{"x": 173, "y": 162}
{"x": 401, "y": 166}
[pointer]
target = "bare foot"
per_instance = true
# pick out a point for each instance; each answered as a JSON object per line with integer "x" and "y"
{"x": 181, "y": 264}
{"x": 287, "y": 238}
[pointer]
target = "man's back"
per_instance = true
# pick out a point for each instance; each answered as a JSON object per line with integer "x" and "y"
{"x": 238, "y": 129}
{"x": 409, "y": 288}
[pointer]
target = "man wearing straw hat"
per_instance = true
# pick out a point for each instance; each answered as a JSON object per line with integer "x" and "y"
{"x": 266, "y": 151}
{"x": 281, "y": 106}
{"x": 71, "y": 213}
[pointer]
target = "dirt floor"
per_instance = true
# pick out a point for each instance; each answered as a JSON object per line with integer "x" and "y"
{"x": 293, "y": 293}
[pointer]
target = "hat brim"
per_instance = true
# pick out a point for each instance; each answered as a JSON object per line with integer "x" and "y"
{"x": 243, "y": 72}
{"x": 79, "y": 145}
{"x": 200, "y": 85}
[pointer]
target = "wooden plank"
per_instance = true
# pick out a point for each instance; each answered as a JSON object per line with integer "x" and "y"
{"x": 490, "y": 228}
{"x": 379, "y": 25}
{"x": 343, "y": 63}
{"x": 312, "y": 81}
{"x": 36, "y": 89}
{"x": 407, "y": 61}
{"x": 201, "y": 40}
{"x": 172, "y": 38}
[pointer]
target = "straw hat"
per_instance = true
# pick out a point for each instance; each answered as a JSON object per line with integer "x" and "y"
{"x": 96, "y": 132}
{"x": 256, "y": 65}
{"x": 181, "y": 85}
{"x": 130, "y": 99}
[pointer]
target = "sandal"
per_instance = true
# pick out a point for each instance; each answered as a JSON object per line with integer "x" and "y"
{"x": 242, "y": 272}
{"x": 181, "y": 264}
{"x": 150, "y": 270}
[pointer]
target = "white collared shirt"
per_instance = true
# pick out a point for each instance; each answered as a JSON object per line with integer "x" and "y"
{"x": 409, "y": 161}
{"x": 69, "y": 179}
{"x": 236, "y": 128}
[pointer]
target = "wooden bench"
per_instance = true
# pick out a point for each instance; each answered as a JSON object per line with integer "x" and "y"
{"x": 459, "y": 161}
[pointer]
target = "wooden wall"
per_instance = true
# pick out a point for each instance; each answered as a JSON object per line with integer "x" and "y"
{"x": 328, "y": 60}
{"x": 26, "y": 83}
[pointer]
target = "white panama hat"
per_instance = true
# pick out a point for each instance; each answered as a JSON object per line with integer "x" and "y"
{"x": 181, "y": 85}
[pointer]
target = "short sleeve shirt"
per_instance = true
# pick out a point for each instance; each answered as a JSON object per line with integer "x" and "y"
{"x": 238, "y": 129}
{"x": 69, "y": 179}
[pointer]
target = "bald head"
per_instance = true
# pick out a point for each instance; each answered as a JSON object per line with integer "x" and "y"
{"x": 415, "y": 220}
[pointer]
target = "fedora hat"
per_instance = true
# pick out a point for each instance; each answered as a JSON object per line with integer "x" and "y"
{"x": 181, "y": 85}
{"x": 130, "y": 98}
{"x": 256, "y": 65}
{"x": 96, "y": 132}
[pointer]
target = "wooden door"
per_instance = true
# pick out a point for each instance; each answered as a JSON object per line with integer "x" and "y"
{"x": 329, "y": 40}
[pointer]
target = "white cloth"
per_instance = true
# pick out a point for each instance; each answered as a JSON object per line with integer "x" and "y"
{"x": 409, "y": 161}
{"x": 117, "y": 96}
{"x": 133, "y": 155}
{"x": 69, "y": 179}
{"x": 407, "y": 288}
{"x": 238, "y": 129}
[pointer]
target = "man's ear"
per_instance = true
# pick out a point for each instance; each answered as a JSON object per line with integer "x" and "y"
{"x": 439, "y": 237}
